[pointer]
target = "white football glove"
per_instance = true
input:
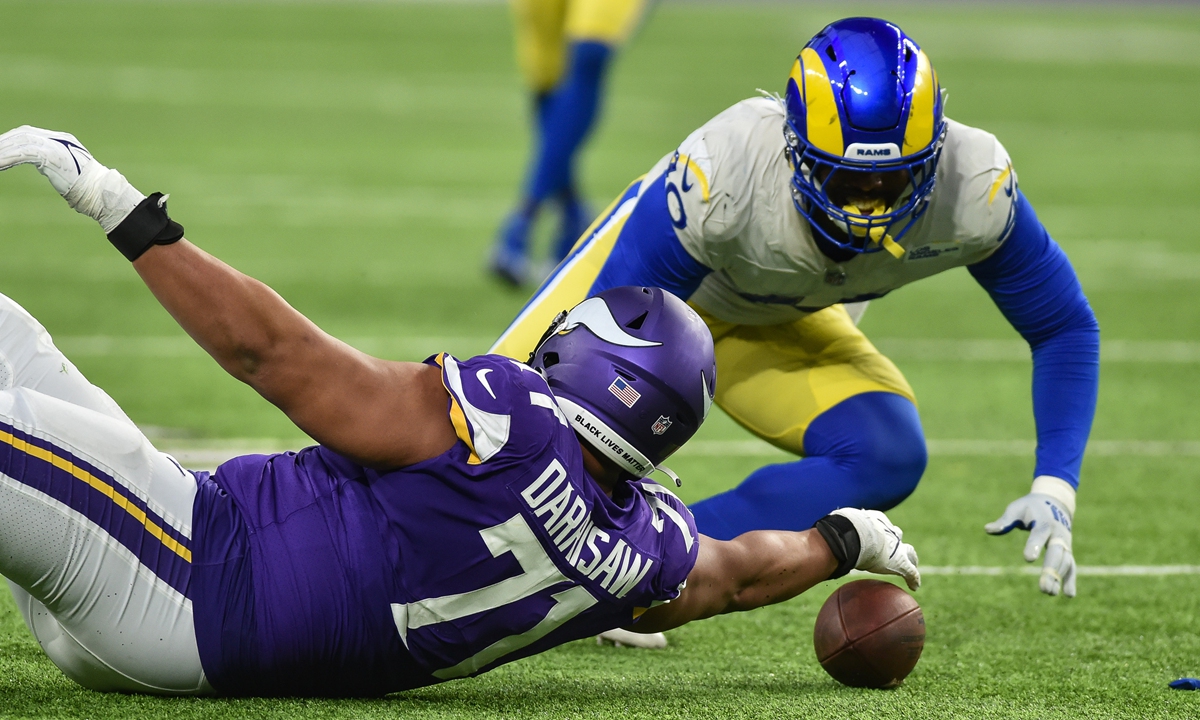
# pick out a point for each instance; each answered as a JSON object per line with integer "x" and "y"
{"x": 89, "y": 188}
{"x": 882, "y": 546}
{"x": 1046, "y": 512}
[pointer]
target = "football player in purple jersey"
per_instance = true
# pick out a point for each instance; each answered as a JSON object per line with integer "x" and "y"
{"x": 456, "y": 514}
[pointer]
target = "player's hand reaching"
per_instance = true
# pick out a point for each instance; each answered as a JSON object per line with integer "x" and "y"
{"x": 99, "y": 192}
{"x": 867, "y": 540}
{"x": 132, "y": 221}
{"x": 1046, "y": 513}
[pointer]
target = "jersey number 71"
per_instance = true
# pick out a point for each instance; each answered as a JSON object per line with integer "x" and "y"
{"x": 538, "y": 573}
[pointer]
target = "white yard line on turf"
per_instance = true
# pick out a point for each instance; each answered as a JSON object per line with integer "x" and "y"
{"x": 920, "y": 349}
{"x": 1037, "y": 569}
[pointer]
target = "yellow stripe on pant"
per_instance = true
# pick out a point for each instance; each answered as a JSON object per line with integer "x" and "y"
{"x": 105, "y": 488}
{"x": 543, "y": 29}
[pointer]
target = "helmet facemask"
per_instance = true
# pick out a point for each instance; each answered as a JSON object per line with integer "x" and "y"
{"x": 863, "y": 134}
{"x": 821, "y": 195}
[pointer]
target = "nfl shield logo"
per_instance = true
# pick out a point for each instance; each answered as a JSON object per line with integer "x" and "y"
{"x": 660, "y": 426}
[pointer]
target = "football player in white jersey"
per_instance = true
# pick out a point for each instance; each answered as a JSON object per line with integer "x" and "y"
{"x": 780, "y": 218}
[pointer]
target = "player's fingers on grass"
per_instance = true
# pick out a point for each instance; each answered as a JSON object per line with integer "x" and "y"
{"x": 906, "y": 566}
{"x": 911, "y": 575}
{"x": 1049, "y": 582}
{"x": 1059, "y": 565}
{"x": 1006, "y": 522}
{"x": 1037, "y": 538}
{"x": 1056, "y": 568}
{"x": 1069, "y": 579}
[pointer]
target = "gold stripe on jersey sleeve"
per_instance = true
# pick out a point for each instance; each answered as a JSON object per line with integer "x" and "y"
{"x": 458, "y": 418}
{"x": 700, "y": 176}
{"x": 999, "y": 183}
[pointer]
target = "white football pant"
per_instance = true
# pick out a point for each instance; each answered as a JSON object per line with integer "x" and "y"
{"x": 95, "y": 525}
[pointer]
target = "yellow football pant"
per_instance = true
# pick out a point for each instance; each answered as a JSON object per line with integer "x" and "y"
{"x": 544, "y": 28}
{"x": 776, "y": 379}
{"x": 772, "y": 379}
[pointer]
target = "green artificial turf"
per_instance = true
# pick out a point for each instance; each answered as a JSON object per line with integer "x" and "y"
{"x": 359, "y": 156}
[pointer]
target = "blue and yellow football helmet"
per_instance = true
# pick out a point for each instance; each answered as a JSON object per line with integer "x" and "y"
{"x": 864, "y": 132}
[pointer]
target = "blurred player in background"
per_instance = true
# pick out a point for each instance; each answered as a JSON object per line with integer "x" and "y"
{"x": 456, "y": 515}
{"x": 780, "y": 218}
{"x": 564, "y": 48}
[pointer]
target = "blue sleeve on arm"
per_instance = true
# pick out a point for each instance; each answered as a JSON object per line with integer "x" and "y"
{"x": 648, "y": 252}
{"x": 1035, "y": 287}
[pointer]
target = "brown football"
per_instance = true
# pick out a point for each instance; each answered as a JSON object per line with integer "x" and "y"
{"x": 869, "y": 633}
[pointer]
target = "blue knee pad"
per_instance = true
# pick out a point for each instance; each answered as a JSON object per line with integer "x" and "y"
{"x": 867, "y": 452}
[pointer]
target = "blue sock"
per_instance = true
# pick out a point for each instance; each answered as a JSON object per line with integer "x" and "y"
{"x": 567, "y": 117}
{"x": 867, "y": 452}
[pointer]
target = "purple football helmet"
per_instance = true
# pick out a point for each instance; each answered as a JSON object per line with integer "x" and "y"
{"x": 634, "y": 372}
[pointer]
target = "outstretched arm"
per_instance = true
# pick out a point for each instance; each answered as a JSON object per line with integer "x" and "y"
{"x": 768, "y": 566}
{"x": 1032, "y": 282}
{"x": 379, "y": 413}
{"x": 753, "y": 569}
{"x": 1034, "y": 285}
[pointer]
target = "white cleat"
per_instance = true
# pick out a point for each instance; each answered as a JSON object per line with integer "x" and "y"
{"x": 624, "y": 638}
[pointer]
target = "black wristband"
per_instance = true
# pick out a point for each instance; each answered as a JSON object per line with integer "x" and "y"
{"x": 842, "y": 538}
{"x": 147, "y": 225}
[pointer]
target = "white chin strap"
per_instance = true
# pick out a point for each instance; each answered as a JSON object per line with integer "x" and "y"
{"x": 602, "y": 437}
{"x": 669, "y": 473}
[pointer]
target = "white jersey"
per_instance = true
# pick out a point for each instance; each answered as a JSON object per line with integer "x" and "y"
{"x": 733, "y": 212}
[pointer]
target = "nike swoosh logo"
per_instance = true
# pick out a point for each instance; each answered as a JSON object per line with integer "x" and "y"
{"x": 71, "y": 147}
{"x": 482, "y": 375}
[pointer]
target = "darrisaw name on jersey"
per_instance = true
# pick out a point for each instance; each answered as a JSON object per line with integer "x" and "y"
{"x": 602, "y": 437}
{"x": 562, "y": 511}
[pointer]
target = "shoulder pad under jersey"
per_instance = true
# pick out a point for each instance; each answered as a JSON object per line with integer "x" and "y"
{"x": 498, "y": 405}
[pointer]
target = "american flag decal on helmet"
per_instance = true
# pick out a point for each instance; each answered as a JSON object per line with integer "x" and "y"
{"x": 624, "y": 392}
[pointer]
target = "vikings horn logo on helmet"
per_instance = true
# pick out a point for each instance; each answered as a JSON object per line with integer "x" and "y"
{"x": 594, "y": 314}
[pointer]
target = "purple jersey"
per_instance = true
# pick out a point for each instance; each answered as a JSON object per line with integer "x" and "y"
{"x": 315, "y": 575}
